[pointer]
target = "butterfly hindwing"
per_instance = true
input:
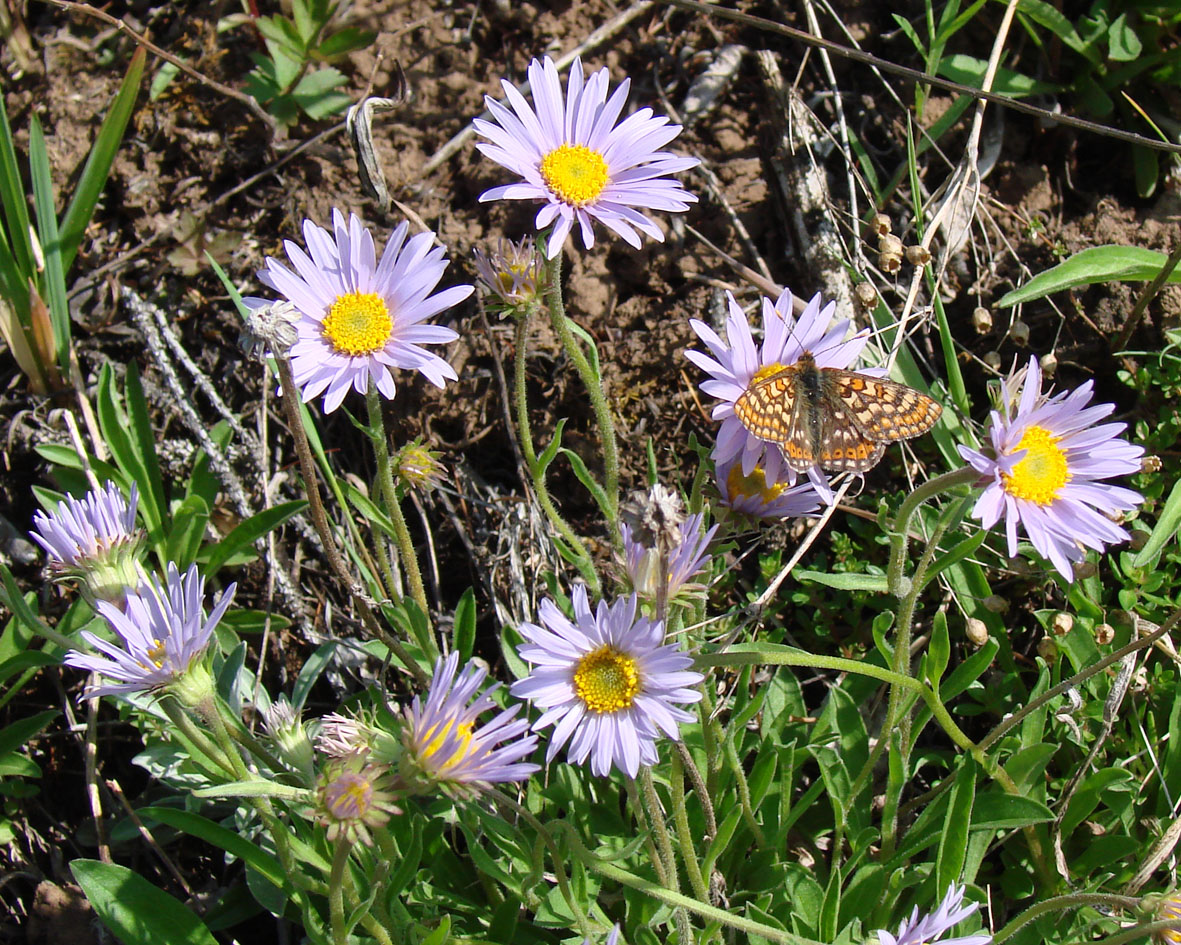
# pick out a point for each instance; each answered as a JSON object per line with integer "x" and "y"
{"x": 844, "y": 447}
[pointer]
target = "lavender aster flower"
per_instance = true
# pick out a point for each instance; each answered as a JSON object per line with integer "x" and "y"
{"x": 760, "y": 497}
{"x": 1049, "y": 455}
{"x": 162, "y": 630}
{"x": 574, "y": 157}
{"x": 513, "y": 274}
{"x": 916, "y": 931}
{"x": 684, "y": 560}
{"x": 443, "y": 743}
{"x": 359, "y": 317}
{"x": 606, "y": 681}
{"x": 737, "y": 362}
{"x": 353, "y": 798}
{"x": 93, "y": 539}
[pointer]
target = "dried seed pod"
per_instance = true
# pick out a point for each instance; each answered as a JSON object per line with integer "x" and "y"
{"x": 993, "y": 360}
{"x": 982, "y": 320}
{"x": 1019, "y": 332}
{"x": 1104, "y": 633}
{"x": 866, "y": 296}
{"x": 1047, "y": 649}
{"x": 1139, "y": 539}
{"x": 996, "y": 604}
{"x": 918, "y": 255}
{"x": 1049, "y": 364}
{"x": 1085, "y": 569}
{"x": 976, "y": 631}
{"x": 890, "y": 263}
{"x": 1150, "y": 464}
{"x": 889, "y": 243}
{"x": 880, "y": 224}
{"x": 1062, "y": 624}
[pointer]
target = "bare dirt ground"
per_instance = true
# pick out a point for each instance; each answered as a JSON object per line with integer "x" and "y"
{"x": 178, "y": 188}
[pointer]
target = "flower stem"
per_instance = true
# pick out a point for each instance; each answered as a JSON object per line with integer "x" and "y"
{"x": 340, "y": 862}
{"x": 684, "y": 836}
{"x": 1057, "y": 904}
{"x": 307, "y": 467}
{"x": 385, "y": 478}
{"x": 895, "y": 579}
{"x": 594, "y": 388}
{"x": 585, "y": 563}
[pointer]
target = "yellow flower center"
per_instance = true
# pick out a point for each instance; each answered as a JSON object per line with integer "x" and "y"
{"x": 753, "y": 486}
{"x": 156, "y": 654}
{"x": 358, "y": 323}
{"x": 575, "y": 174}
{"x": 765, "y": 372}
{"x": 606, "y": 680}
{"x": 349, "y": 797}
{"x": 432, "y": 741}
{"x": 1040, "y": 475}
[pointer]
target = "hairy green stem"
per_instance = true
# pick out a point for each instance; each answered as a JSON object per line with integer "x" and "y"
{"x": 736, "y": 769}
{"x": 336, "y": 561}
{"x": 594, "y": 388}
{"x": 684, "y": 834}
{"x": 585, "y": 562}
{"x": 340, "y": 862}
{"x": 1058, "y": 904}
{"x": 389, "y": 492}
{"x": 895, "y": 580}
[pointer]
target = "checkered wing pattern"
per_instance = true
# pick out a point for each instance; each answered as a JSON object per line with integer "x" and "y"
{"x": 884, "y": 410}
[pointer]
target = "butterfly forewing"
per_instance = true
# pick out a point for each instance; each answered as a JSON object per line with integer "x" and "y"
{"x": 767, "y": 408}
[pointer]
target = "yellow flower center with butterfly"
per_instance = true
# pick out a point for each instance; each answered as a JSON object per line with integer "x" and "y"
{"x": 430, "y": 746}
{"x": 575, "y": 174}
{"x": 765, "y": 372}
{"x": 753, "y": 486}
{"x": 358, "y": 323}
{"x": 1042, "y": 472}
{"x": 606, "y": 680}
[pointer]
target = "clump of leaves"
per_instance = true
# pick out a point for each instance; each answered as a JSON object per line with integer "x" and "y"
{"x": 284, "y": 80}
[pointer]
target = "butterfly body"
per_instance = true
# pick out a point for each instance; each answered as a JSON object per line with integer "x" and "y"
{"x": 828, "y": 417}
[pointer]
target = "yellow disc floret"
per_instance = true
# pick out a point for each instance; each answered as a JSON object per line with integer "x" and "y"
{"x": 431, "y": 742}
{"x": 358, "y": 323}
{"x": 1039, "y": 475}
{"x": 606, "y": 680}
{"x": 753, "y": 486}
{"x": 765, "y": 372}
{"x": 575, "y": 174}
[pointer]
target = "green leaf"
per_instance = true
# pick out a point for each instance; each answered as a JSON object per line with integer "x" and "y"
{"x": 188, "y": 529}
{"x": 1097, "y": 264}
{"x": 312, "y": 668}
{"x": 256, "y": 787}
{"x": 98, "y": 164}
{"x": 249, "y": 531}
{"x": 134, "y": 910}
{"x": 968, "y": 70}
{"x": 954, "y": 843}
{"x": 938, "y": 652}
{"x": 1008, "y": 811}
{"x": 876, "y": 583}
{"x": 345, "y": 41}
{"x": 463, "y": 634}
{"x": 315, "y": 94}
{"x": 1049, "y": 16}
{"x": 1123, "y": 45}
{"x": 115, "y": 428}
{"x": 584, "y": 476}
{"x": 16, "y": 208}
{"x": 232, "y": 843}
{"x": 54, "y": 280}
{"x": 1164, "y": 530}
{"x": 16, "y": 735}
{"x": 1146, "y": 167}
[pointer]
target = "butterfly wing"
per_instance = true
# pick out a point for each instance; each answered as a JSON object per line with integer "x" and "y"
{"x": 774, "y": 410}
{"x": 883, "y": 410}
{"x": 844, "y": 446}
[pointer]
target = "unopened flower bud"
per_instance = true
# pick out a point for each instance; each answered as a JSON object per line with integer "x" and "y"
{"x": 881, "y": 224}
{"x": 976, "y": 631}
{"x": 918, "y": 255}
{"x": 1150, "y": 464}
{"x": 1049, "y": 364}
{"x": 1019, "y": 332}
{"x": 995, "y": 604}
{"x": 982, "y": 320}
{"x": 289, "y": 736}
{"x": 1047, "y": 649}
{"x": 513, "y": 274}
{"x": 269, "y": 328}
{"x": 419, "y": 467}
{"x": 1104, "y": 633}
{"x": 1062, "y": 624}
